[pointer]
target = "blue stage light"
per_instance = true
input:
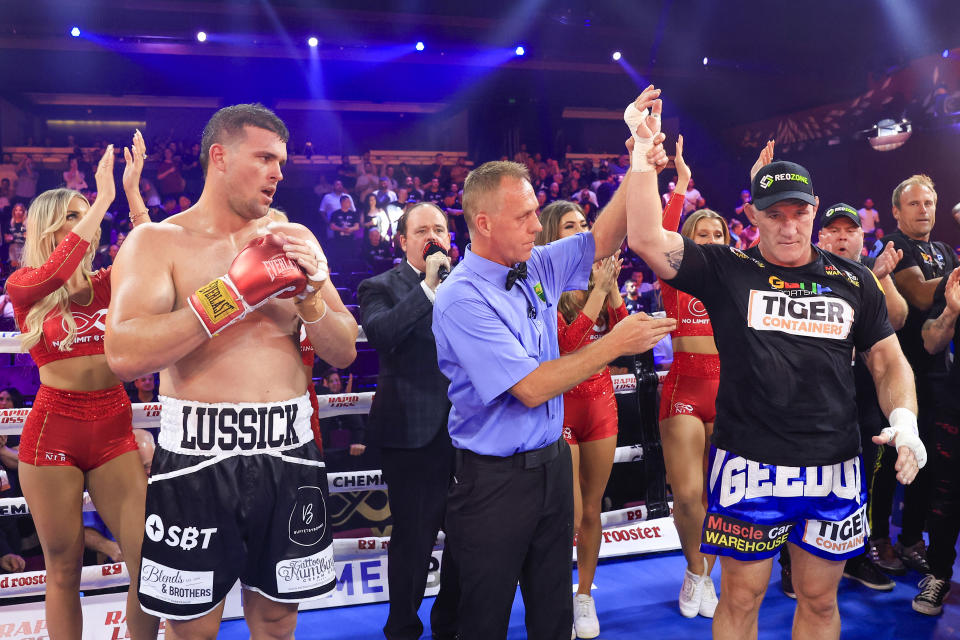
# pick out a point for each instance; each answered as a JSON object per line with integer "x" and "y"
{"x": 75, "y": 32}
{"x": 312, "y": 41}
{"x": 706, "y": 60}
{"x": 420, "y": 46}
{"x": 201, "y": 36}
{"x": 616, "y": 56}
{"x": 520, "y": 51}
{"x": 946, "y": 53}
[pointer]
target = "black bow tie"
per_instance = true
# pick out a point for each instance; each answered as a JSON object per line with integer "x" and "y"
{"x": 517, "y": 272}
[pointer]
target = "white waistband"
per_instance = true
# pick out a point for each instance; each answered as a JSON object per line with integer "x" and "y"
{"x": 242, "y": 428}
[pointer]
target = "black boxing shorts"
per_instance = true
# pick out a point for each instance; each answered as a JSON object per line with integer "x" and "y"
{"x": 237, "y": 491}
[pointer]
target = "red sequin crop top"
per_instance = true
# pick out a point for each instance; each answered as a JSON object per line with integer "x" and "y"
{"x": 691, "y": 315}
{"x": 28, "y": 285}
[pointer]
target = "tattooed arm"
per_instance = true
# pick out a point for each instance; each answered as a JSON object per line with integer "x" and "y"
{"x": 937, "y": 332}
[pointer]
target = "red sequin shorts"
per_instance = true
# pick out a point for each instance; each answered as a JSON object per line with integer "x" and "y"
{"x": 591, "y": 415}
{"x": 690, "y": 388}
{"x": 82, "y": 429}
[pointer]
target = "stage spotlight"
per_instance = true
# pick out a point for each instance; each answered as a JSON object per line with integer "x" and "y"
{"x": 201, "y": 36}
{"x": 946, "y": 53}
{"x": 520, "y": 50}
{"x": 75, "y": 32}
{"x": 312, "y": 41}
{"x": 616, "y": 56}
{"x": 706, "y": 60}
{"x": 420, "y": 46}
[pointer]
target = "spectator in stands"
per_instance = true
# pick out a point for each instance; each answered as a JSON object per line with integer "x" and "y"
{"x": 170, "y": 206}
{"x": 184, "y": 202}
{"x": 73, "y": 178}
{"x": 367, "y": 180}
{"x": 870, "y": 218}
{"x": 5, "y": 194}
{"x": 346, "y": 172}
{"x": 606, "y": 187}
{"x": 437, "y": 170}
{"x": 416, "y": 188}
{"x": 144, "y": 389}
{"x": 343, "y": 435}
{"x": 169, "y": 180}
{"x": 736, "y": 228}
{"x": 693, "y": 200}
{"x": 433, "y": 193}
{"x": 554, "y": 194}
{"x": 638, "y": 277}
{"x": 387, "y": 173}
{"x": 542, "y": 198}
{"x": 16, "y": 234}
{"x": 191, "y": 171}
{"x": 374, "y": 214}
{"x": 631, "y": 298}
{"x": 652, "y": 299}
{"x": 671, "y": 187}
{"x": 738, "y": 211}
{"x": 331, "y": 201}
{"x": 344, "y": 224}
{"x": 376, "y": 252}
{"x": 542, "y": 181}
{"x": 621, "y": 166}
{"x": 27, "y": 177}
{"x": 385, "y": 195}
{"x": 459, "y": 171}
{"x": 149, "y": 194}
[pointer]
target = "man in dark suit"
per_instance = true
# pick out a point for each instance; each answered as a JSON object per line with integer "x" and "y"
{"x": 408, "y": 420}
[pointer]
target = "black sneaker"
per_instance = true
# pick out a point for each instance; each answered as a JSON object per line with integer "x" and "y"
{"x": 786, "y": 582}
{"x": 885, "y": 558}
{"x": 863, "y": 571}
{"x": 933, "y": 592}
{"x": 914, "y": 556}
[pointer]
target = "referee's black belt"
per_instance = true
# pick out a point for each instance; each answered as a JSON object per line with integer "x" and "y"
{"x": 523, "y": 460}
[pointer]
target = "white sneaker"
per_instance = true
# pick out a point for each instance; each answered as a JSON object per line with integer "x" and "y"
{"x": 708, "y": 603}
{"x": 691, "y": 594}
{"x": 585, "y": 622}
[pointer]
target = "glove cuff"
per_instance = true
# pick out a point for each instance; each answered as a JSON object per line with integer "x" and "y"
{"x": 217, "y": 305}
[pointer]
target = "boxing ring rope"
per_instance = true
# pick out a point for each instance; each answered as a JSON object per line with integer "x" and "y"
{"x": 147, "y": 415}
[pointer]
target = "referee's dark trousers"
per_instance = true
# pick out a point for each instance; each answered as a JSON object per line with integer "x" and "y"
{"x": 511, "y": 520}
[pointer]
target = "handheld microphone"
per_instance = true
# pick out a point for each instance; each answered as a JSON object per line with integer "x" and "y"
{"x": 431, "y": 248}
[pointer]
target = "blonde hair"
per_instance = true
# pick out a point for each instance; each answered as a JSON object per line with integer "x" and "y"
{"x": 485, "y": 180}
{"x": 46, "y": 215}
{"x": 918, "y": 179}
{"x": 690, "y": 224}
{"x": 571, "y": 302}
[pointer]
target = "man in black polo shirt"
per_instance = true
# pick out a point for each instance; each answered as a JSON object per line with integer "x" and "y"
{"x": 917, "y": 275}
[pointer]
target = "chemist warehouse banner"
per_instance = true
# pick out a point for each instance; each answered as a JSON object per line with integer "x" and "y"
{"x": 361, "y": 579}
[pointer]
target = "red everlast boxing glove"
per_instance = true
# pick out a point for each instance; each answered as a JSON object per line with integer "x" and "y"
{"x": 260, "y": 271}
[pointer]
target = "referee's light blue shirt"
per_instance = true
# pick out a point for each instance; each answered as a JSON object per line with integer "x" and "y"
{"x": 487, "y": 342}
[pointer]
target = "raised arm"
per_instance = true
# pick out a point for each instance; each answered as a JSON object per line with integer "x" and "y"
{"x": 27, "y": 286}
{"x": 661, "y": 249}
{"x": 610, "y": 227}
{"x": 134, "y": 157}
{"x": 896, "y": 305}
{"x": 938, "y": 332}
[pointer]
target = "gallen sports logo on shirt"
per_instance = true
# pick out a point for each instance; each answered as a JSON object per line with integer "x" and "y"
{"x": 811, "y": 316}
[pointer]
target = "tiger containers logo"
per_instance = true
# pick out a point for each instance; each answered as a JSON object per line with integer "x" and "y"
{"x": 813, "y": 316}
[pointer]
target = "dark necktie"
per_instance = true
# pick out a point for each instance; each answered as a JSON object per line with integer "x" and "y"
{"x": 517, "y": 272}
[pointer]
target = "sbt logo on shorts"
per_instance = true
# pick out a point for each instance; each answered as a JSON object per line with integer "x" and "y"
{"x": 175, "y": 585}
{"x": 186, "y": 538}
{"x": 812, "y": 316}
{"x": 306, "y": 574}
{"x": 746, "y": 479}
{"x": 838, "y": 537}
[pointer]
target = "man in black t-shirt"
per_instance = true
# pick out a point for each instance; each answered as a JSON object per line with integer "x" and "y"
{"x": 917, "y": 276}
{"x": 784, "y": 462}
{"x": 344, "y": 225}
{"x": 943, "y": 517}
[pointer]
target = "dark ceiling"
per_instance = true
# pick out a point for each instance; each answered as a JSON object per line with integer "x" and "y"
{"x": 765, "y": 58}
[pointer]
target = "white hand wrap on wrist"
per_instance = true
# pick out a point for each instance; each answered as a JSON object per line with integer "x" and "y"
{"x": 634, "y": 118}
{"x": 316, "y": 279}
{"x": 903, "y": 433}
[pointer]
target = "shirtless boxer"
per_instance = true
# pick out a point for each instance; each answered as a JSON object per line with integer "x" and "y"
{"x": 238, "y": 485}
